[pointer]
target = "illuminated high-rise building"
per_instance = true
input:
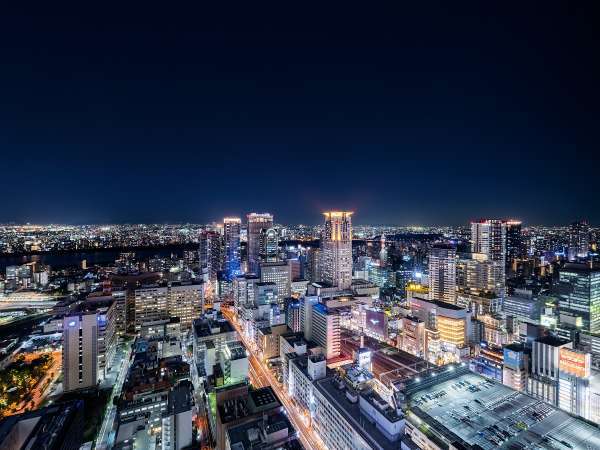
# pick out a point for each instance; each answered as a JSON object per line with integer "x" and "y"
{"x": 515, "y": 243}
{"x": 83, "y": 349}
{"x": 80, "y": 359}
{"x": 442, "y": 273}
{"x": 579, "y": 301}
{"x": 231, "y": 238}
{"x": 313, "y": 264}
{"x": 258, "y": 224}
{"x": 271, "y": 245}
{"x": 579, "y": 240}
{"x": 211, "y": 254}
{"x": 488, "y": 236}
{"x": 336, "y": 249}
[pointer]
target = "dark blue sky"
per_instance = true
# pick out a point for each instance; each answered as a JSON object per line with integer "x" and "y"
{"x": 174, "y": 113}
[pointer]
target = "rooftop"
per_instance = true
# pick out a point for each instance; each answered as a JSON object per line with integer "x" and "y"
{"x": 181, "y": 397}
{"x": 516, "y": 347}
{"x": 552, "y": 340}
{"x": 294, "y": 338}
{"x": 43, "y": 428}
{"x": 440, "y": 303}
{"x": 579, "y": 267}
{"x": 463, "y": 407}
{"x": 208, "y": 326}
{"x": 258, "y": 434}
{"x": 256, "y": 401}
{"x": 236, "y": 350}
{"x": 353, "y": 414}
{"x": 321, "y": 308}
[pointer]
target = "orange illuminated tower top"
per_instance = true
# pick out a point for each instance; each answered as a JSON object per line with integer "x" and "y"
{"x": 338, "y": 226}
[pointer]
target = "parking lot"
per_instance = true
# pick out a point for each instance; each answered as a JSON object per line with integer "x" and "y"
{"x": 482, "y": 412}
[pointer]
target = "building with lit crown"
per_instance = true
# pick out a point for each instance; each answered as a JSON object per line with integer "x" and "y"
{"x": 336, "y": 249}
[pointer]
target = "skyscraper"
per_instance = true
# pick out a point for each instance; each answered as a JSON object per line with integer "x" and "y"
{"x": 488, "y": 236}
{"x": 211, "y": 254}
{"x": 336, "y": 249}
{"x": 80, "y": 351}
{"x": 579, "y": 240}
{"x": 579, "y": 302}
{"x": 442, "y": 273}
{"x": 515, "y": 244}
{"x": 271, "y": 240}
{"x": 313, "y": 264}
{"x": 231, "y": 237}
{"x": 258, "y": 224}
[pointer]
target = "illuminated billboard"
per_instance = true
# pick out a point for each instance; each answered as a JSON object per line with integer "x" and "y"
{"x": 575, "y": 363}
{"x": 513, "y": 359}
{"x": 376, "y": 322}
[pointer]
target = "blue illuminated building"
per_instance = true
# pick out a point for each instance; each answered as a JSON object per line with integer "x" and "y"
{"x": 231, "y": 231}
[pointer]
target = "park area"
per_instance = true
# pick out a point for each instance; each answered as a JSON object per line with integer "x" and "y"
{"x": 24, "y": 381}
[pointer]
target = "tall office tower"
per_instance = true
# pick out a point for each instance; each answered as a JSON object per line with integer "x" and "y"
{"x": 231, "y": 235}
{"x": 579, "y": 240}
{"x": 80, "y": 351}
{"x": 336, "y": 249}
{"x": 579, "y": 297}
{"x": 258, "y": 224}
{"x": 271, "y": 240}
{"x": 313, "y": 264}
{"x": 489, "y": 237}
{"x": 211, "y": 254}
{"x": 383, "y": 251}
{"x": 442, "y": 273}
{"x": 515, "y": 242}
{"x": 293, "y": 316}
{"x": 120, "y": 299}
{"x": 280, "y": 274}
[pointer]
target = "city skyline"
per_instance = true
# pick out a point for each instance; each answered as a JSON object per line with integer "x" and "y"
{"x": 409, "y": 115}
{"x": 466, "y": 223}
{"x": 295, "y": 227}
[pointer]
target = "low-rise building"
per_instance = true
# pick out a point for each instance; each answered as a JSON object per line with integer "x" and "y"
{"x": 56, "y": 427}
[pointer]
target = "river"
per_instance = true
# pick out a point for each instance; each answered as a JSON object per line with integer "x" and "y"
{"x": 60, "y": 260}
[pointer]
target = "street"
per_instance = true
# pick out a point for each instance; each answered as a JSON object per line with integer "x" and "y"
{"x": 260, "y": 376}
{"x": 106, "y": 435}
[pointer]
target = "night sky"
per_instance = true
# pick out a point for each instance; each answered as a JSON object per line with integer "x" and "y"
{"x": 175, "y": 113}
